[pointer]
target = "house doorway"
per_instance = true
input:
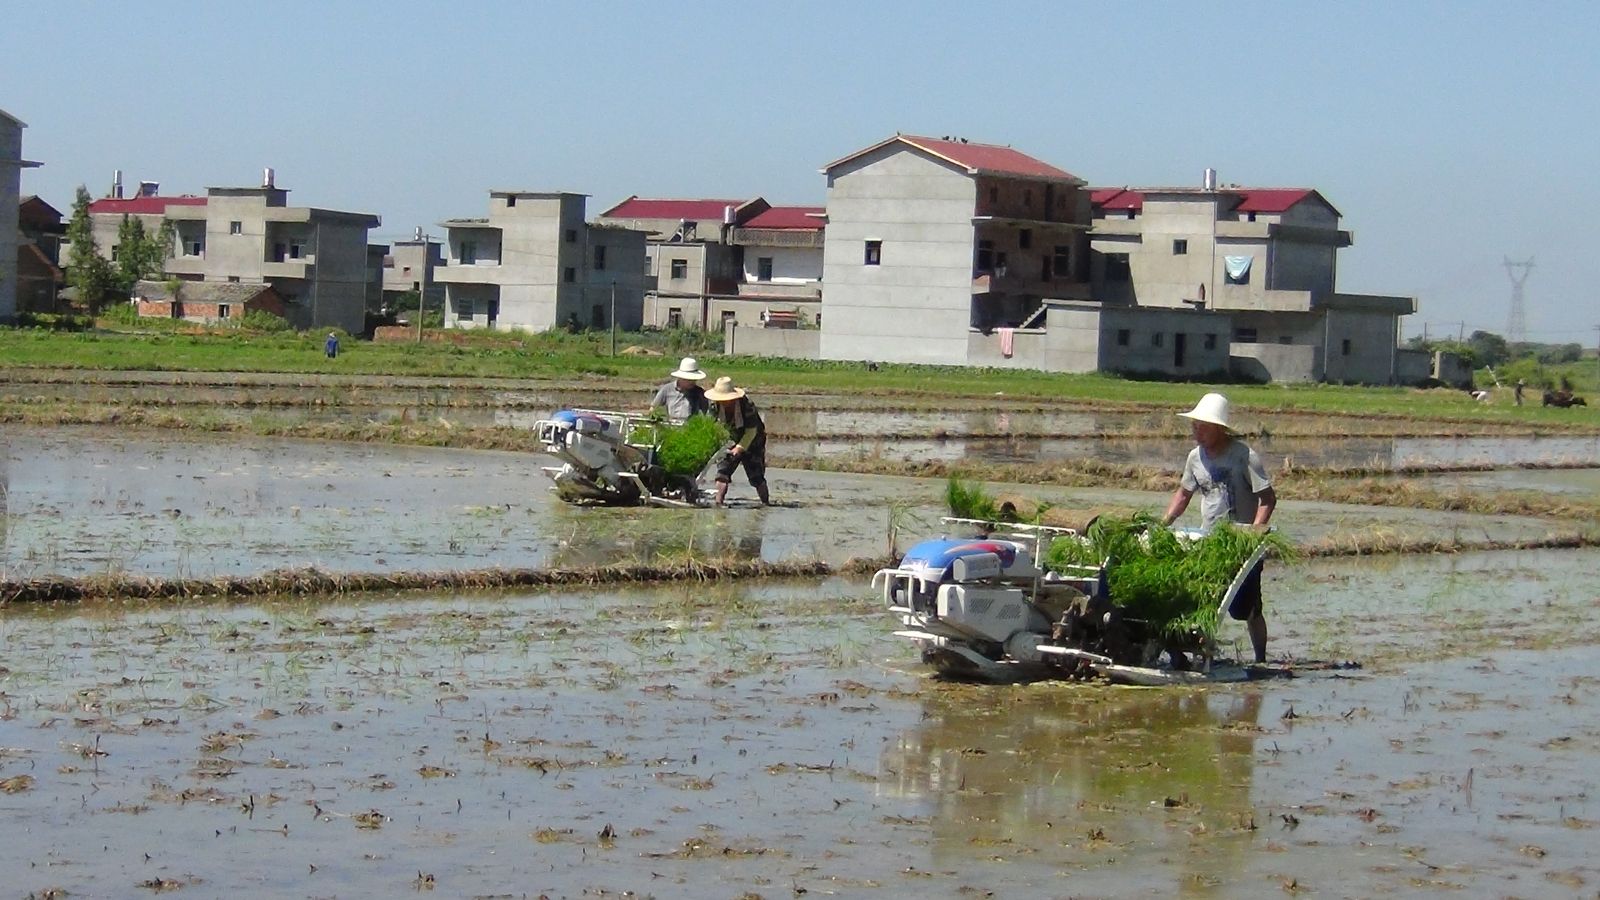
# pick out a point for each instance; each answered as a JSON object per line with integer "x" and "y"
{"x": 1180, "y": 343}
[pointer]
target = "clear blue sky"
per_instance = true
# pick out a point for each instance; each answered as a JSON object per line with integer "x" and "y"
{"x": 1450, "y": 135}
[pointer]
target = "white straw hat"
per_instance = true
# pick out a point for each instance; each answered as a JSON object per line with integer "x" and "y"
{"x": 724, "y": 390}
{"x": 689, "y": 369}
{"x": 1213, "y": 408}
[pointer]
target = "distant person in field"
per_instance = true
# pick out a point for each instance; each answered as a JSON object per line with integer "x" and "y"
{"x": 749, "y": 448}
{"x": 330, "y": 347}
{"x": 682, "y": 397}
{"x": 1516, "y": 393}
{"x": 1233, "y": 487}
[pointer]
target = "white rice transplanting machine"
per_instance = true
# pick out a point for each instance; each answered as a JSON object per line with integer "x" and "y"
{"x": 982, "y": 607}
{"x": 609, "y": 458}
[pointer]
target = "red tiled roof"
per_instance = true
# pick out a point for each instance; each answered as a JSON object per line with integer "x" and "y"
{"x": 640, "y": 208}
{"x": 142, "y": 206}
{"x": 799, "y": 218}
{"x": 977, "y": 159}
{"x": 980, "y": 158}
{"x": 1270, "y": 200}
{"x": 1116, "y": 198}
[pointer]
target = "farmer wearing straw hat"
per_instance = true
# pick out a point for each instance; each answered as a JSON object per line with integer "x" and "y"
{"x": 749, "y": 448}
{"x": 682, "y": 397}
{"x": 1233, "y": 487}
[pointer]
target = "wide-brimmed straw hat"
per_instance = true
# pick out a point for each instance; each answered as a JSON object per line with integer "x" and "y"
{"x": 689, "y": 370}
{"x": 724, "y": 390}
{"x": 1213, "y": 408}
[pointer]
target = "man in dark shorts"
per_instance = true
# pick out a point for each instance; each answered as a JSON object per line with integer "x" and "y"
{"x": 1233, "y": 487}
{"x": 738, "y": 413}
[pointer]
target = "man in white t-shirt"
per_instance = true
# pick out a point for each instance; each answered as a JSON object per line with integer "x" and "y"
{"x": 1234, "y": 487}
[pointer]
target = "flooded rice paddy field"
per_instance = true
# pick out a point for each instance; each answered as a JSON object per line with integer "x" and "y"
{"x": 772, "y": 740}
{"x": 86, "y": 501}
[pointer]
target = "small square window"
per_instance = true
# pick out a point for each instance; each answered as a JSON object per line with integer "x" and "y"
{"x": 511, "y": 200}
{"x": 874, "y": 253}
{"x": 680, "y": 268}
{"x": 569, "y": 274}
{"x": 764, "y": 268}
{"x": 1157, "y": 339}
{"x": 1211, "y": 342}
{"x": 1344, "y": 347}
{"x": 236, "y": 228}
{"x": 1244, "y": 335}
{"x": 223, "y": 310}
{"x": 1285, "y": 340}
{"x": 572, "y": 235}
{"x": 1180, "y": 247}
{"x": 1252, "y": 217}
{"x": 1124, "y": 336}
{"x": 1025, "y": 238}
{"x": 463, "y": 309}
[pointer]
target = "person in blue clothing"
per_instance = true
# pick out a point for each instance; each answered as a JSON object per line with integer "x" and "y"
{"x": 331, "y": 346}
{"x": 1233, "y": 487}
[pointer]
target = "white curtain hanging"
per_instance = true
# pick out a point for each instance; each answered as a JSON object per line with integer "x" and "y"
{"x": 1237, "y": 266}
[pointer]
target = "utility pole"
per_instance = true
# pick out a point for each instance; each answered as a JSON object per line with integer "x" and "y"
{"x": 613, "y": 317}
{"x": 422, "y": 286}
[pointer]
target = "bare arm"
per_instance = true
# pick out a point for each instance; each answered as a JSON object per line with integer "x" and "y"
{"x": 1266, "y": 502}
{"x": 1180, "y": 502}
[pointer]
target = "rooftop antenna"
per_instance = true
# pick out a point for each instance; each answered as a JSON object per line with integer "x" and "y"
{"x": 1516, "y": 326}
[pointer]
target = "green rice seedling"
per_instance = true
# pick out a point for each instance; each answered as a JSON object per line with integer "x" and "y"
{"x": 1173, "y": 583}
{"x": 968, "y": 500}
{"x": 685, "y": 450}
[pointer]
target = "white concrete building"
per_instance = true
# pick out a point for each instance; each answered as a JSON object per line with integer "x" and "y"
{"x": 534, "y": 264}
{"x": 1265, "y": 257}
{"x": 11, "y": 166}
{"x": 938, "y": 248}
{"x": 781, "y": 276}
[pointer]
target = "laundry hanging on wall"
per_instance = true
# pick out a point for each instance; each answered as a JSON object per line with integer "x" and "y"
{"x": 1238, "y": 268}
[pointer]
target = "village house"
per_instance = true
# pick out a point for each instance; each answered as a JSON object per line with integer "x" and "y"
{"x": 534, "y": 264}
{"x": 205, "y": 302}
{"x": 316, "y": 260}
{"x": 781, "y": 276}
{"x": 410, "y": 266}
{"x": 11, "y": 166}
{"x": 1264, "y": 257}
{"x": 39, "y": 275}
{"x": 689, "y": 261}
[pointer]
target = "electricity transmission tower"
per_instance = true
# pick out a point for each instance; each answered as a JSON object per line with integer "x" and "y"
{"x": 1517, "y": 326}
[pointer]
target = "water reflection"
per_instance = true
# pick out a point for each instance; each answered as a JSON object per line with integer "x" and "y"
{"x": 995, "y": 765}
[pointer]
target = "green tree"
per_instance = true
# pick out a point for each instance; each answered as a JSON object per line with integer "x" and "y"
{"x": 1488, "y": 348}
{"x": 140, "y": 254}
{"x": 89, "y": 273}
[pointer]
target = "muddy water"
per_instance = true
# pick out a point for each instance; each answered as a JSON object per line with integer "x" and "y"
{"x": 686, "y": 741}
{"x": 87, "y": 501}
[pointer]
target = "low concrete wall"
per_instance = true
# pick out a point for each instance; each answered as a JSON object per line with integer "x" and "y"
{"x": 1413, "y": 366}
{"x": 1274, "y": 362}
{"x": 789, "y": 343}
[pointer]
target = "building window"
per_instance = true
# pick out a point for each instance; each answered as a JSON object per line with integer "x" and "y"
{"x": 600, "y": 258}
{"x": 223, "y": 311}
{"x": 764, "y": 268}
{"x": 1025, "y": 238}
{"x": 569, "y": 274}
{"x": 1244, "y": 335}
{"x": 1211, "y": 342}
{"x": 464, "y": 309}
{"x": 680, "y": 268}
{"x": 233, "y": 279}
{"x": 1063, "y": 263}
{"x": 1157, "y": 339}
{"x": 114, "y": 251}
{"x": 729, "y": 319}
{"x": 1180, "y": 247}
{"x": 985, "y": 256}
{"x": 1117, "y": 268}
{"x": 874, "y": 253}
{"x": 511, "y": 201}
{"x": 597, "y": 316}
{"x": 236, "y": 228}
{"x": 1124, "y": 336}
{"x": 1285, "y": 340}
{"x": 1252, "y": 217}
{"x": 572, "y": 235}
{"x": 1132, "y": 213}
{"x": 296, "y": 250}
{"x": 675, "y": 317}
{"x": 1344, "y": 347}
{"x": 469, "y": 253}
{"x": 194, "y": 247}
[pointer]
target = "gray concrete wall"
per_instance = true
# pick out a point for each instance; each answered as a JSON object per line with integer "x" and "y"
{"x": 1413, "y": 367}
{"x": 10, "y": 188}
{"x": 789, "y": 343}
{"x": 1277, "y": 362}
{"x": 1361, "y": 347}
{"x": 916, "y": 305}
{"x": 1154, "y": 337}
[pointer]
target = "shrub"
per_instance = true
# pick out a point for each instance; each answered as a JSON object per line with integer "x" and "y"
{"x": 261, "y": 320}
